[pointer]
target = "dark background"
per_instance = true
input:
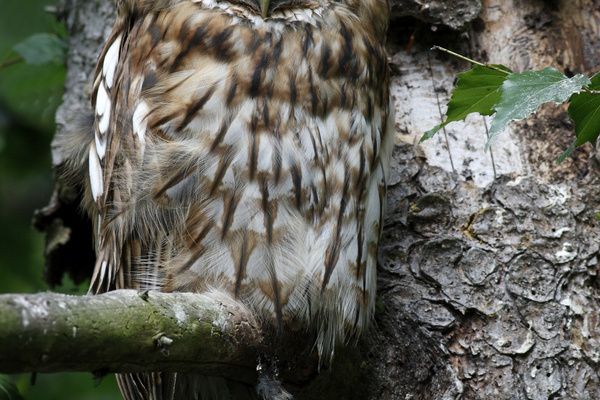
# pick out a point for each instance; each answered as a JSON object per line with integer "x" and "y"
{"x": 29, "y": 96}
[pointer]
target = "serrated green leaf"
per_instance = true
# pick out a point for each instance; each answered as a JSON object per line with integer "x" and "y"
{"x": 477, "y": 90}
{"x": 41, "y": 48}
{"x": 430, "y": 133}
{"x": 584, "y": 111}
{"x": 522, "y": 94}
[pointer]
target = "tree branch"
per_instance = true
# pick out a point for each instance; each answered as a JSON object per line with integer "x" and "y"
{"x": 127, "y": 331}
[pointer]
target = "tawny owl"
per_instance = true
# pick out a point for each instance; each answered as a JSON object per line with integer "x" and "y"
{"x": 242, "y": 146}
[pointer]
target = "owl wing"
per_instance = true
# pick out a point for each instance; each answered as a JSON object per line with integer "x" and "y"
{"x": 116, "y": 154}
{"x": 117, "y": 150}
{"x": 107, "y": 273}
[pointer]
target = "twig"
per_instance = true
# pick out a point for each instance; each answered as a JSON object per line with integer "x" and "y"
{"x": 12, "y": 61}
{"x": 490, "y": 66}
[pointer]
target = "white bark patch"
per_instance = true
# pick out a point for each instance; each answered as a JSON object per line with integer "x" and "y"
{"x": 31, "y": 310}
{"x": 417, "y": 111}
{"x": 180, "y": 314}
{"x": 559, "y": 232}
{"x": 567, "y": 253}
{"x": 499, "y": 217}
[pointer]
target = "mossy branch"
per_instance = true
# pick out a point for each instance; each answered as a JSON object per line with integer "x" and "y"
{"x": 127, "y": 331}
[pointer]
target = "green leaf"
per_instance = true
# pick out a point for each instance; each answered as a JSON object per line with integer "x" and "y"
{"x": 584, "y": 111}
{"x": 32, "y": 93}
{"x": 567, "y": 153}
{"x": 42, "y": 48}
{"x": 522, "y": 94}
{"x": 477, "y": 90}
{"x": 430, "y": 133}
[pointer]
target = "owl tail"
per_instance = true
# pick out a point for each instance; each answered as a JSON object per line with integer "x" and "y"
{"x": 190, "y": 386}
{"x": 109, "y": 272}
{"x": 148, "y": 386}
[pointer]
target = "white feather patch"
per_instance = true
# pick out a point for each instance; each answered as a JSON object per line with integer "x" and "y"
{"x": 265, "y": 154}
{"x": 100, "y": 145}
{"x": 102, "y": 101}
{"x": 95, "y": 171}
{"x": 110, "y": 270}
{"x": 110, "y": 62}
{"x": 102, "y": 111}
{"x": 103, "y": 123}
{"x": 140, "y": 123}
{"x": 102, "y": 272}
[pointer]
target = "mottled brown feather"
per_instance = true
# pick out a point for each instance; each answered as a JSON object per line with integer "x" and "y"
{"x": 246, "y": 156}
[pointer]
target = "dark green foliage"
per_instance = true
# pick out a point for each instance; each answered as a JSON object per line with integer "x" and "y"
{"x": 32, "y": 75}
{"x": 8, "y": 389}
{"x": 584, "y": 110}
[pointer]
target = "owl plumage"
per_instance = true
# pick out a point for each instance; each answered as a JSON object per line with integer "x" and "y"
{"x": 243, "y": 148}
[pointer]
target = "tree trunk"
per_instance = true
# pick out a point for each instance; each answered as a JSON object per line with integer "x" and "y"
{"x": 488, "y": 262}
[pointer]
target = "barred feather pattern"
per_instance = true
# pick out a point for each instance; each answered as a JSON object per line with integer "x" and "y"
{"x": 243, "y": 154}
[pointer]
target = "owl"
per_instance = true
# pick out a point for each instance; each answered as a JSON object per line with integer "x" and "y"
{"x": 241, "y": 147}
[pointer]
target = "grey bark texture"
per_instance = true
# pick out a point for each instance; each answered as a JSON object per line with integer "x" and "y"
{"x": 488, "y": 275}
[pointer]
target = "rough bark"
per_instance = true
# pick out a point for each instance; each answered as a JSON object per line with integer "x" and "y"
{"x": 488, "y": 266}
{"x": 496, "y": 255}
